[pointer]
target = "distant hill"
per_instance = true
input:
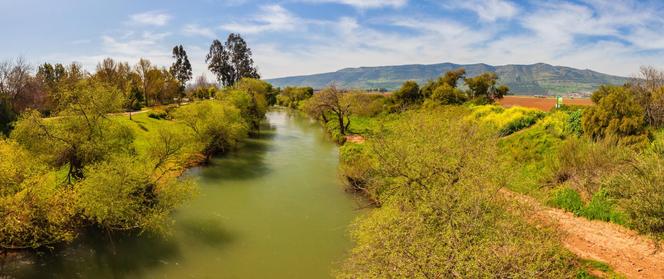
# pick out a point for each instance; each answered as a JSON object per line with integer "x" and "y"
{"x": 538, "y": 78}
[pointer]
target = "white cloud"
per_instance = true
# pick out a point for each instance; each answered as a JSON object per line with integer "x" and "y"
{"x": 486, "y": 10}
{"x": 196, "y": 30}
{"x": 155, "y": 18}
{"x": 614, "y": 37}
{"x": 365, "y": 4}
{"x": 270, "y": 18}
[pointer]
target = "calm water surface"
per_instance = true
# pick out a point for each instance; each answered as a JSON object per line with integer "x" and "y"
{"x": 273, "y": 209}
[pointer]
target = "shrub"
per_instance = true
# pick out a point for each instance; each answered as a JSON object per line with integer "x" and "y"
{"x": 641, "y": 195}
{"x": 358, "y": 177}
{"x": 573, "y": 125}
{"x": 158, "y": 114}
{"x": 616, "y": 115}
{"x": 584, "y": 165}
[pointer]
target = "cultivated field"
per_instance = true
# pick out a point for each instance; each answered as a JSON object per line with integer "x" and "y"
{"x": 545, "y": 104}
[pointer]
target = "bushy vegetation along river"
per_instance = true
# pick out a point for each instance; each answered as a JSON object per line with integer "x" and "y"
{"x": 273, "y": 209}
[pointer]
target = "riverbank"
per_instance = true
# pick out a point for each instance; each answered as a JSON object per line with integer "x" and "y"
{"x": 272, "y": 208}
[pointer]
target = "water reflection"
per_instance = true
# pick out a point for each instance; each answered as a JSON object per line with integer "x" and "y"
{"x": 272, "y": 209}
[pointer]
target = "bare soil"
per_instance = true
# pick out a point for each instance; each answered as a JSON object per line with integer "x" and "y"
{"x": 627, "y": 252}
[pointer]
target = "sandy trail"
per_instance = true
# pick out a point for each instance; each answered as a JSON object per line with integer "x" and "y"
{"x": 627, "y": 252}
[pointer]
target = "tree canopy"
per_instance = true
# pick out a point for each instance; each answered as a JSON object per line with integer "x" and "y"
{"x": 231, "y": 62}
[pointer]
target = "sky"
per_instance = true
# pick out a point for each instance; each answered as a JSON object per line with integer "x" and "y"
{"x": 296, "y": 37}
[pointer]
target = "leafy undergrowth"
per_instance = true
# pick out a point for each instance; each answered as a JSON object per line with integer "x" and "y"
{"x": 601, "y": 206}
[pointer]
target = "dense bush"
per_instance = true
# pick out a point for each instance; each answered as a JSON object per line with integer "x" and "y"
{"x": 585, "y": 165}
{"x": 292, "y": 96}
{"x": 617, "y": 115}
{"x": 641, "y": 195}
{"x": 218, "y": 126}
{"x": 158, "y": 114}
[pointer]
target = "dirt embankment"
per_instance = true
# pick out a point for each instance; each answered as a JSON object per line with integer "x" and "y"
{"x": 627, "y": 252}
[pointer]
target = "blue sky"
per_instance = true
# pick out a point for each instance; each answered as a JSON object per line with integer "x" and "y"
{"x": 293, "y": 37}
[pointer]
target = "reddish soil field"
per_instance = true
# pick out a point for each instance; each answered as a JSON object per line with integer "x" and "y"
{"x": 545, "y": 104}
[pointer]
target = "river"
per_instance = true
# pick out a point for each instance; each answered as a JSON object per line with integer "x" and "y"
{"x": 273, "y": 209}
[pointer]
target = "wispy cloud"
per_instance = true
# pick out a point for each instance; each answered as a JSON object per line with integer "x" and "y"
{"x": 196, "y": 30}
{"x": 486, "y": 10}
{"x": 270, "y": 18}
{"x": 155, "y": 18}
{"x": 146, "y": 44}
{"x": 365, "y": 4}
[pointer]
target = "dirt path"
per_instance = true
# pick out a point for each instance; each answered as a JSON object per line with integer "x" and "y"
{"x": 624, "y": 250}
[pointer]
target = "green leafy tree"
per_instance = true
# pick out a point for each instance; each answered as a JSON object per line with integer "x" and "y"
{"x": 615, "y": 115}
{"x": 34, "y": 210}
{"x": 334, "y": 102}
{"x": 292, "y": 96}
{"x": 450, "y": 78}
{"x": 483, "y": 87}
{"x": 232, "y": 61}
{"x": 448, "y": 95}
{"x": 181, "y": 68}
{"x": 218, "y": 126}
{"x": 81, "y": 134}
{"x": 408, "y": 94}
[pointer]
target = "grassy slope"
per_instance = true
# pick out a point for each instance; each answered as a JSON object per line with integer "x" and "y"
{"x": 527, "y": 151}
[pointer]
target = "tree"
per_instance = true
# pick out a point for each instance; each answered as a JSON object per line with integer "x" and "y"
{"x": 451, "y": 78}
{"x": 82, "y": 134}
{"x": 331, "y": 101}
{"x": 250, "y": 96}
{"x": 648, "y": 88}
{"x": 616, "y": 114}
{"x": 181, "y": 68}
{"x": 232, "y": 61}
{"x": 19, "y": 91}
{"x": 448, "y": 95}
{"x": 143, "y": 68}
{"x": 291, "y": 96}
{"x": 484, "y": 87}
{"x": 217, "y": 126}
{"x": 408, "y": 94}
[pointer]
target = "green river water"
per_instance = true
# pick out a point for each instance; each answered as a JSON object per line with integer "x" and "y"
{"x": 273, "y": 209}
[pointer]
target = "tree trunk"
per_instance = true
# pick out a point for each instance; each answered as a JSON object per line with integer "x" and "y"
{"x": 342, "y": 127}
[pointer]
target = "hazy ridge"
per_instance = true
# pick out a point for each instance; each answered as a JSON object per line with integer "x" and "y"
{"x": 537, "y": 78}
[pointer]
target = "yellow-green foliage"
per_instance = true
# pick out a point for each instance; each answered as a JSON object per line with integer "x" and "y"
{"x": 538, "y": 141}
{"x": 30, "y": 197}
{"x": 436, "y": 177}
{"x": 218, "y": 126}
{"x": 128, "y": 174}
{"x": 505, "y": 120}
{"x": 641, "y": 195}
{"x": 617, "y": 116}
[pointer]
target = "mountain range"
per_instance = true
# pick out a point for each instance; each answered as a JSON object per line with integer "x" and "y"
{"x": 534, "y": 79}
